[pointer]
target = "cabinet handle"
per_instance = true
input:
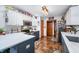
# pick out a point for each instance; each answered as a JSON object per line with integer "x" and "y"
{"x": 27, "y": 46}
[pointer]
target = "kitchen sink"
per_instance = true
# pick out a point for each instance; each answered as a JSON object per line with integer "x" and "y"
{"x": 73, "y": 39}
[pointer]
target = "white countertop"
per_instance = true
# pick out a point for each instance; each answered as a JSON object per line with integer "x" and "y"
{"x": 9, "y": 40}
{"x": 73, "y": 47}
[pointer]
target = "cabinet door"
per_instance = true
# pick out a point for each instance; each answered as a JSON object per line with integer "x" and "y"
{"x": 2, "y": 20}
{"x": 11, "y": 18}
{"x": 36, "y": 34}
{"x": 26, "y": 47}
{"x": 74, "y": 11}
{"x": 67, "y": 17}
{"x": 19, "y": 19}
{"x": 75, "y": 15}
{"x": 14, "y": 18}
{"x": 72, "y": 16}
{"x": 64, "y": 45}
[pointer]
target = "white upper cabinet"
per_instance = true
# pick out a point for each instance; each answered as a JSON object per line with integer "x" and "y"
{"x": 75, "y": 15}
{"x": 16, "y": 18}
{"x": 12, "y": 18}
{"x": 27, "y": 18}
{"x": 19, "y": 18}
{"x": 2, "y": 18}
{"x": 72, "y": 16}
{"x": 67, "y": 18}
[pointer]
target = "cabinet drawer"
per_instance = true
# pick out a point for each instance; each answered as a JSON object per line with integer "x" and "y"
{"x": 26, "y": 47}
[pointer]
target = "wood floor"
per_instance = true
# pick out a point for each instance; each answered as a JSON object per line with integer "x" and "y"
{"x": 48, "y": 45}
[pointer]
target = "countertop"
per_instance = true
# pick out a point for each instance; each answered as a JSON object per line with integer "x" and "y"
{"x": 73, "y": 47}
{"x": 9, "y": 40}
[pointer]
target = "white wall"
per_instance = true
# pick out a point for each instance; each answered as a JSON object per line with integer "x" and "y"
{"x": 45, "y": 27}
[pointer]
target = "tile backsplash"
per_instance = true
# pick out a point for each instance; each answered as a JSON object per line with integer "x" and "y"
{"x": 12, "y": 28}
{"x": 77, "y": 28}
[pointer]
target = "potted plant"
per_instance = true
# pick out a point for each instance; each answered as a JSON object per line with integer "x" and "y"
{"x": 1, "y": 31}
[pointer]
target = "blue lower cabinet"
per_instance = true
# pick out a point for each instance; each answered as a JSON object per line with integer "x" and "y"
{"x": 13, "y": 50}
{"x": 64, "y": 46}
{"x": 36, "y": 35}
{"x": 5, "y": 51}
{"x": 26, "y": 47}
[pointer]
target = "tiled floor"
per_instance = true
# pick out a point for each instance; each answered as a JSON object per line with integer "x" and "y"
{"x": 48, "y": 45}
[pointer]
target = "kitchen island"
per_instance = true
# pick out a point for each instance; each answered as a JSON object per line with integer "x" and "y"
{"x": 69, "y": 46}
{"x": 20, "y": 42}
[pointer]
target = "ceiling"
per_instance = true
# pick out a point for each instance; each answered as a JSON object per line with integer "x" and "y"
{"x": 53, "y": 10}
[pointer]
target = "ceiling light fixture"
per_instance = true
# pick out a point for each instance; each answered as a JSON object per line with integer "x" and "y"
{"x": 45, "y": 10}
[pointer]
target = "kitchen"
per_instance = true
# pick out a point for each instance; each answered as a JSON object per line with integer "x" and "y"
{"x": 17, "y": 32}
{"x": 39, "y": 29}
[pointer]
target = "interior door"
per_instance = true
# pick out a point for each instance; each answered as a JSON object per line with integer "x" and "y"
{"x": 49, "y": 28}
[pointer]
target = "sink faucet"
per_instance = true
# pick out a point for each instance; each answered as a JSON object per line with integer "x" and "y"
{"x": 76, "y": 31}
{"x": 73, "y": 29}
